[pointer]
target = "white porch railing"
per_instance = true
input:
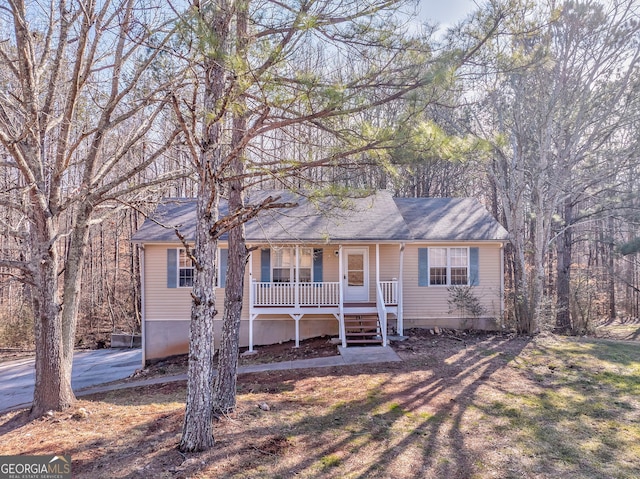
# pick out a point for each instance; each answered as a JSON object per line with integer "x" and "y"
{"x": 311, "y": 294}
{"x": 322, "y": 294}
{"x": 389, "y": 291}
{"x": 295, "y": 294}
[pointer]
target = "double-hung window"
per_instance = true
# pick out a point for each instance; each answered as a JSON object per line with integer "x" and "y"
{"x": 448, "y": 266}
{"x": 285, "y": 269}
{"x": 181, "y": 268}
{"x": 437, "y": 266}
{"x": 458, "y": 266}
{"x": 186, "y": 269}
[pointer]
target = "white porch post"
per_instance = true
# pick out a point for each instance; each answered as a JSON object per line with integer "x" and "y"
{"x": 400, "y": 314}
{"x": 296, "y": 294}
{"x": 297, "y": 318}
{"x": 381, "y": 321}
{"x": 296, "y": 285}
{"x": 251, "y": 318}
{"x": 377, "y": 265}
{"x": 251, "y": 292}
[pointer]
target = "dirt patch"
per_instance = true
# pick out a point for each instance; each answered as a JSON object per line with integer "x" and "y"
{"x": 310, "y": 348}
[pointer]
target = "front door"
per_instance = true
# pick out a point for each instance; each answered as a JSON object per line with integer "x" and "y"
{"x": 356, "y": 274}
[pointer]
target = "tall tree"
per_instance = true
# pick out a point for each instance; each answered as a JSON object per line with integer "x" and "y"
{"x": 318, "y": 67}
{"x": 80, "y": 98}
{"x": 557, "y": 93}
{"x": 224, "y": 398}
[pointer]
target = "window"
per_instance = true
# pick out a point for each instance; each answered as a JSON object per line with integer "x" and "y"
{"x": 306, "y": 265}
{"x": 437, "y": 266}
{"x": 459, "y": 266}
{"x": 448, "y": 266}
{"x": 185, "y": 270}
{"x": 284, "y": 265}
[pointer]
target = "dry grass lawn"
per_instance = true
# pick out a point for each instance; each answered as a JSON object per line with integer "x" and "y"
{"x": 482, "y": 407}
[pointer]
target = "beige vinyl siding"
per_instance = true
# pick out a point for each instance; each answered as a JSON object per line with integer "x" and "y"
{"x": 168, "y": 310}
{"x": 431, "y": 302}
{"x": 162, "y": 303}
{"x": 389, "y": 266}
{"x": 389, "y": 262}
{"x": 330, "y": 263}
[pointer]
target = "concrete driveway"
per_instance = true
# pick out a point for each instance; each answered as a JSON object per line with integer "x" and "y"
{"x": 90, "y": 368}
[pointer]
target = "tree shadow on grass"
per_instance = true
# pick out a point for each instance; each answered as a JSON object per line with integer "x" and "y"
{"x": 379, "y": 425}
{"x": 413, "y": 410}
{"x": 400, "y": 420}
{"x": 581, "y": 420}
{"x": 608, "y": 350}
{"x": 626, "y": 329}
{"x": 13, "y": 420}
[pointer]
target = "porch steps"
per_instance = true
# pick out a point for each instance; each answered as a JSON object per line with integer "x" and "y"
{"x": 362, "y": 329}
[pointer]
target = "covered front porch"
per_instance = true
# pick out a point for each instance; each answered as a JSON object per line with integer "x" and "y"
{"x": 355, "y": 295}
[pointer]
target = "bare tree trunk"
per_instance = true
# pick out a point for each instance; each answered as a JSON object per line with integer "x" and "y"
{"x": 224, "y": 393}
{"x": 197, "y": 431}
{"x": 53, "y": 375}
{"x": 611, "y": 270}
{"x": 135, "y": 274}
{"x": 563, "y": 277}
{"x": 509, "y": 181}
{"x": 73, "y": 283}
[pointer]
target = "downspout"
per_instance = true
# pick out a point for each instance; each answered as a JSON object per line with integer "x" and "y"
{"x": 400, "y": 316}
{"x": 142, "y": 307}
{"x": 501, "y": 286}
{"x": 381, "y": 321}
{"x": 251, "y": 300}
{"x": 341, "y": 299}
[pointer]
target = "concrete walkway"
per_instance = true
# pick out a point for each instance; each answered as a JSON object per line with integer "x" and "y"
{"x": 347, "y": 357}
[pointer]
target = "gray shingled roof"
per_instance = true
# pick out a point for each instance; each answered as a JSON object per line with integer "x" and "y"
{"x": 379, "y": 217}
{"x": 452, "y": 219}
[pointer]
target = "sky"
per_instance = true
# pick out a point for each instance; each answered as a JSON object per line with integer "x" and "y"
{"x": 445, "y": 12}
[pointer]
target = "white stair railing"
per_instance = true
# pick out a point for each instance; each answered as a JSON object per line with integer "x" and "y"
{"x": 389, "y": 291}
{"x": 382, "y": 314}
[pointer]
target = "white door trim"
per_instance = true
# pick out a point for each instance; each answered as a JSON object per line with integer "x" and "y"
{"x": 356, "y": 292}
